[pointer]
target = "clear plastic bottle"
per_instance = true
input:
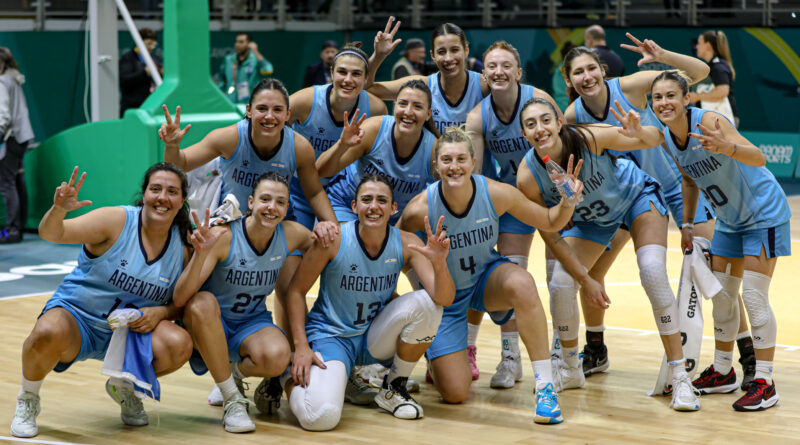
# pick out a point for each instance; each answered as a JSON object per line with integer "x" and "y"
{"x": 565, "y": 184}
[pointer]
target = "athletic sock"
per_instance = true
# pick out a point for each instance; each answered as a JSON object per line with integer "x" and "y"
{"x": 510, "y": 343}
{"x": 472, "y": 333}
{"x": 542, "y": 372}
{"x": 723, "y": 361}
{"x": 31, "y": 386}
{"x": 228, "y": 388}
{"x": 764, "y": 370}
{"x": 235, "y": 371}
{"x": 571, "y": 357}
{"x": 594, "y": 336}
{"x": 678, "y": 368}
{"x": 741, "y": 335}
{"x": 400, "y": 368}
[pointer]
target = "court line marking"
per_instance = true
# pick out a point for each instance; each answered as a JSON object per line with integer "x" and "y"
{"x": 47, "y": 442}
{"x": 32, "y": 294}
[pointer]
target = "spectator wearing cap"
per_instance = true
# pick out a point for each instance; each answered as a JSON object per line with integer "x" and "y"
{"x": 413, "y": 61}
{"x": 320, "y": 73}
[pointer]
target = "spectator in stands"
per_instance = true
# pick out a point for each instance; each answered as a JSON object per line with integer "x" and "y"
{"x": 712, "y": 46}
{"x": 241, "y": 71}
{"x": 320, "y": 72}
{"x": 413, "y": 61}
{"x": 15, "y": 133}
{"x": 135, "y": 83}
{"x": 595, "y": 38}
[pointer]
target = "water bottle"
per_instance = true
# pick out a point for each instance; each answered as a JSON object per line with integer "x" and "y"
{"x": 565, "y": 184}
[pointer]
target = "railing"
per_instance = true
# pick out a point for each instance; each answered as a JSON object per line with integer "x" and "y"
{"x": 364, "y": 14}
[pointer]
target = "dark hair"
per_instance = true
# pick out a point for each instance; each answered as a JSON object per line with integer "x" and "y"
{"x": 347, "y": 50}
{"x": 7, "y": 60}
{"x": 375, "y": 177}
{"x": 147, "y": 33}
{"x": 246, "y": 34}
{"x": 182, "y": 218}
{"x": 422, "y": 86}
{"x": 595, "y": 32}
{"x": 329, "y": 44}
{"x": 573, "y": 136}
{"x": 719, "y": 44}
{"x": 268, "y": 176}
{"x": 448, "y": 29}
{"x": 270, "y": 84}
{"x": 567, "y": 67}
{"x": 675, "y": 76}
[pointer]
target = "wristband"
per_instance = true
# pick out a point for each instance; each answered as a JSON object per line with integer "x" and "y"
{"x": 687, "y": 226}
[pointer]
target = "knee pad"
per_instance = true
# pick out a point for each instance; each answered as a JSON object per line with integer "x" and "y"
{"x": 424, "y": 318}
{"x": 564, "y": 303}
{"x": 519, "y": 260}
{"x": 318, "y": 407}
{"x": 726, "y": 308}
{"x": 652, "y": 260}
{"x": 325, "y": 418}
{"x": 755, "y": 291}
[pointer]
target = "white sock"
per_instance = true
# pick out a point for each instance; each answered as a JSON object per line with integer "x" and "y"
{"x": 400, "y": 368}
{"x": 510, "y": 343}
{"x": 570, "y": 356}
{"x": 542, "y": 372}
{"x": 764, "y": 371}
{"x": 31, "y": 386}
{"x": 228, "y": 388}
{"x": 472, "y": 333}
{"x": 599, "y": 328}
{"x": 723, "y": 361}
{"x": 678, "y": 368}
{"x": 235, "y": 371}
{"x": 742, "y": 335}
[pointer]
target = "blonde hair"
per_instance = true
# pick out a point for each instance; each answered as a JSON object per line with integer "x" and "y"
{"x": 455, "y": 135}
{"x": 719, "y": 44}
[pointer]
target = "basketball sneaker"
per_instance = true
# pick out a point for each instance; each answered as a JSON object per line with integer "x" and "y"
{"x": 509, "y": 372}
{"x": 394, "y": 397}
{"x": 684, "y": 395}
{"x": 267, "y": 396}
{"x": 547, "y": 408}
{"x": 24, "y": 423}
{"x": 594, "y": 359}
{"x": 236, "y": 419}
{"x": 357, "y": 391}
{"x": 472, "y": 356}
{"x": 712, "y": 382}
{"x": 565, "y": 377}
{"x": 759, "y": 397}
{"x": 132, "y": 412}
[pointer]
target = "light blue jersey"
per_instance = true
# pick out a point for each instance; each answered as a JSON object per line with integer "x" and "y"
{"x": 744, "y": 197}
{"x": 408, "y": 176}
{"x": 446, "y": 114}
{"x": 121, "y": 277}
{"x": 473, "y": 234}
{"x": 504, "y": 140}
{"x": 609, "y": 190}
{"x": 243, "y": 281}
{"x": 354, "y": 287}
{"x": 246, "y": 165}
{"x": 655, "y": 161}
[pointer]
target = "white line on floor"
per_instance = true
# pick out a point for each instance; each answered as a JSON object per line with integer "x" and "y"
{"x": 48, "y": 442}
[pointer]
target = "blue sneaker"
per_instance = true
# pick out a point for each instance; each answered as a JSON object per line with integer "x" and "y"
{"x": 547, "y": 408}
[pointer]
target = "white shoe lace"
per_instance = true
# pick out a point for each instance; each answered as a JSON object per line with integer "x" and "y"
{"x": 26, "y": 409}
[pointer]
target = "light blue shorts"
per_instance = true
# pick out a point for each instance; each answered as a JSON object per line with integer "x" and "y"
{"x": 509, "y": 224}
{"x": 351, "y": 351}
{"x": 675, "y": 203}
{"x": 776, "y": 241}
{"x": 235, "y": 333}
{"x": 94, "y": 338}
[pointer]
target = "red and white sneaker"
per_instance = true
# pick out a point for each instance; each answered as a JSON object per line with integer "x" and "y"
{"x": 472, "y": 355}
{"x": 712, "y": 382}
{"x": 759, "y": 397}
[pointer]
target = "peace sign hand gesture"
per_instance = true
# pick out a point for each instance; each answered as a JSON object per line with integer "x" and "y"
{"x": 649, "y": 49}
{"x": 713, "y": 140}
{"x": 438, "y": 245}
{"x": 170, "y": 132}
{"x": 384, "y": 40}
{"x": 203, "y": 238}
{"x": 66, "y": 196}
{"x": 631, "y": 121}
{"x": 352, "y": 133}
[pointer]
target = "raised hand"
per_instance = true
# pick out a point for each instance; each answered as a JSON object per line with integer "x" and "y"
{"x": 713, "y": 140}
{"x": 649, "y": 49}
{"x": 170, "y": 132}
{"x": 384, "y": 40}
{"x": 66, "y": 195}
{"x": 352, "y": 132}
{"x": 203, "y": 238}
{"x": 573, "y": 174}
{"x": 438, "y": 245}
{"x": 631, "y": 121}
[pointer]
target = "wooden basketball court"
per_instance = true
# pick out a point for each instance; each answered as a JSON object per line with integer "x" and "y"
{"x": 612, "y": 408}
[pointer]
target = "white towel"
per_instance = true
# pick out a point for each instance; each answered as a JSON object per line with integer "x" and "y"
{"x": 130, "y": 355}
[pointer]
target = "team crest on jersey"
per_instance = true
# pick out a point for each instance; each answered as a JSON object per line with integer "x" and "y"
{"x": 435, "y": 111}
{"x": 276, "y": 258}
{"x": 321, "y": 130}
{"x": 278, "y": 165}
{"x": 379, "y": 161}
{"x": 494, "y": 133}
{"x": 482, "y": 220}
{"x": 391, "y": 260}
{"x": 245, "y": 163}
{"x": 242, "y": 262}
{"x": 123, "y": 263}
{"x": 354, "y": 267}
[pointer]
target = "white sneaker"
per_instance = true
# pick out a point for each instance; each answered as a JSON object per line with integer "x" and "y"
{"x": 565, "y": 377}
{"x": 509, "y": 372}
{"x": 24, "y": 423}
{"x": 132, "y": 412}
{"x": 215, "y": 396}
{"x": 357, "y": 391}
{"x": 267, "y": 395}
{"x": 236, "y": 419}
{"x": 394, "y": 398}
{"x": 684, "y": 395}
